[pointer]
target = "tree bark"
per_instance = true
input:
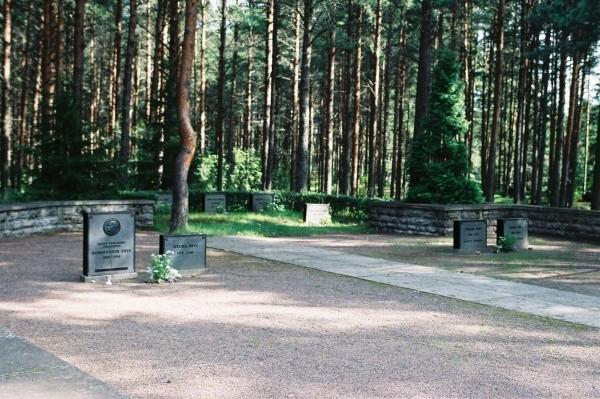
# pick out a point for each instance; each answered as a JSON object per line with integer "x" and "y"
{"x": 6, "y": 110}
{"x": 373, "y": 128}
{"x": 179, "y": 211}
{"x": 220, "y": 96}
{"x": 302, "y": 158}
{"x": 267, "y": 112}
{"x": 356, "y": 102}
{"x": 498, "y": 71}
{"x": 202, "y": 102}
{"x": 78, "y": 65}
{"x": 127, "y": 87}
{"x": 329, "y": 122}
{"x": 424, "y": 73}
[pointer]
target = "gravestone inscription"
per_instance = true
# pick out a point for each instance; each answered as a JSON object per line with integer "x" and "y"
{"x": 470, "y": 235}
{"x": 189, "y": 250}
{"x": 316, "y": 213}
{"x": 260, "y": 201}
{"x": 215, "y": 202}
{"x": 108, "y": 244}
{"x": 514, "y": 227}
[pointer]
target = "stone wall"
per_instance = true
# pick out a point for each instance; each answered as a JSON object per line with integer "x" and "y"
{"x": 398, "y": 217}
{"x": 44, "y": 217}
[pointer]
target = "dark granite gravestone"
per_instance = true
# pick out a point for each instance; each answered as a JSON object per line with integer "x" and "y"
{"x": 316, "y": 213}
{"x": 260, "y": 201}
{"x": 514, "y": 227}
{"x": 108, "y": 245}
{"x": 189, "y": 251}
{"x": 470, "y": 235}
{"x": 215, "y": 202}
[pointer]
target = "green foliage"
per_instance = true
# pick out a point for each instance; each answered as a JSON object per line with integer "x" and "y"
{"x": 245, "y": 175}
{"x": 161, "y": 270}
{"x": 438, "y": 161}
{"x": 507, "y": 243}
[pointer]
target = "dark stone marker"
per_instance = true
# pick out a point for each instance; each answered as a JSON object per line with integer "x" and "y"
{"x": 316, "y": 213}
{"x": 214, "y": 201}
{"x": 189, "y": 250}
{"x": 515, "y": 227}
{"x": 108, "y": 243}
{"x": 260, "y": 201}
{"x": 470, "y": 235}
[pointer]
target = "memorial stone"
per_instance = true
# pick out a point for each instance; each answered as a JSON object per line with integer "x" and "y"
{"x": 514, "y": 227}
{"x": 470, "y": 235}
{"x": 260, "y": 201}
{"x": 189, "y": 251}
{"x": 215, "y": 202}
{"x": 108, "y": 245}
{"x": 316, "y": 213}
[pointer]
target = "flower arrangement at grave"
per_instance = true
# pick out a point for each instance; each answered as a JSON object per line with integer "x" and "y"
{"x": 161, "y": 270}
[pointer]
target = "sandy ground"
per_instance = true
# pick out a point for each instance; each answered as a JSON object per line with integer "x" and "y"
{"x": 256, "y": 329}
{"x": 551, "y": 262}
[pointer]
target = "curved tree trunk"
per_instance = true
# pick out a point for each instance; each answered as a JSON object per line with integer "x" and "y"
{"x": 179, "y": 211}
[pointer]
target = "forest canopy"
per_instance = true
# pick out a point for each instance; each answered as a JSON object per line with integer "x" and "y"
{"x": 303, "y": 95}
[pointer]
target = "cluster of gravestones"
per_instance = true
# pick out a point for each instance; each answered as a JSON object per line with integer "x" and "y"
{"x": 109, "y": 239}
{"x": 471, "y": 235}
{"x": 109, "y": 247}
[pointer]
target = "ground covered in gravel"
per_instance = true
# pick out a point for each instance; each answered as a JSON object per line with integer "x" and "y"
{"x": 256, "y": 329}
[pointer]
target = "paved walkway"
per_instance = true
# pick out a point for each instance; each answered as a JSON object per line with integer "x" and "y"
{"x": 535, "y": 300}
{"x": 28, "y": 372}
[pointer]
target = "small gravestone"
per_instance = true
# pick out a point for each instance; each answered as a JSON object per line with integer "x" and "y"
{"x": 108, "y": 246}
{"x": 164, "y": 199}
{"x": 470, "y": 235}
{"x": 260, "y": 201}
{"x": 215, "y": 202}
{"x": 316, "y": 213}
{"x": 514, "y": 227}
{"x": 189, "y": 251}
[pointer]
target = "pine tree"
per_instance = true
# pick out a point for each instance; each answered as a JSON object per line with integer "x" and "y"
{"x": 438, "y": 163}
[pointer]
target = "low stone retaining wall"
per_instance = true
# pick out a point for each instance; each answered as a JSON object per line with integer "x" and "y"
{"x": 43, "y": 217}
{"x": 399, "y": 217}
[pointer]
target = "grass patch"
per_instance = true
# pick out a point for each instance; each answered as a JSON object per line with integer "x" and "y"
{"x": 268, "y": 224}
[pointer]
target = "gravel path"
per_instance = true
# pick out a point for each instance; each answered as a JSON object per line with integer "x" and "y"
{"x": 257, "y": 329}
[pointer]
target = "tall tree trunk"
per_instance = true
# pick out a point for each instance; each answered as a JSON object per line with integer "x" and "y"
{"x": 127, "y": 83}
{"x": 220, "y": 94}
{"x": 373, "y": 128}
{"x": 329, "y": 122}
{"x": 116, "y": 68}
{"x": 346, "y": 145}
{"x": 302, "y": 158}
{"x": 202, "y": 102}
{"x": 498, "y": 71}
{"x": 543, "y": 120}
{"x": 567, "y": 147}
{"x": 266, "y": 143}
{"x": 6, "y": 110}
{"x": 555, "y": 166}
{"x": 424, "y": 73}
{"x": 231, "y": 120}
{"x": 248, "y": 102}
{"x": 356, "y": 102}
{"x": 179, "y": 211}
{"x": 78, "y": 65}
{"x": 384, "y": 116}
{"x": 295, "y": 95}
{"x": 24, "y": 96}
{"x": 155, "y": 96}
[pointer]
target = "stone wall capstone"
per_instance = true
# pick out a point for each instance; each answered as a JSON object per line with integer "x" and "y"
{"x": 20, "y": 219}
{"x": 399, "y": 217}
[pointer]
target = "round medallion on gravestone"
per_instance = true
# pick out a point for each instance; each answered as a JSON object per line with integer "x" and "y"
{"x": 111, "y": 227}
